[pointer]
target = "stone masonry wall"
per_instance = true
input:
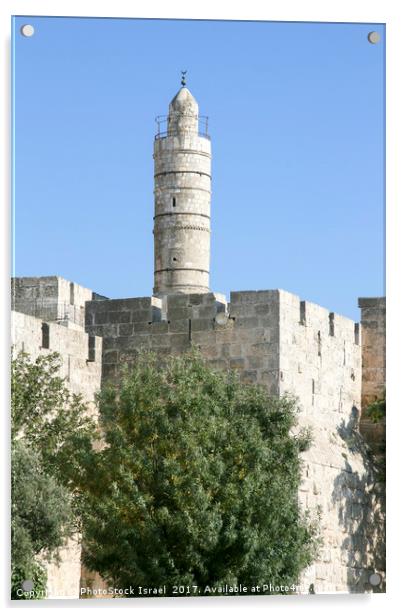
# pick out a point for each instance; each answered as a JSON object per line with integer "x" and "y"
{"x": 51, "y": 298}
{"x": 83, "y": 377}
{"x": 272, "y": 338}
{"x": 373, "y": 322}
{"x": 320, "y": 361}
{"x": 247, "y": 340}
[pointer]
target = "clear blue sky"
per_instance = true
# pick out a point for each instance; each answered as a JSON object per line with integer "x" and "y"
{"x": 297, "y": 125}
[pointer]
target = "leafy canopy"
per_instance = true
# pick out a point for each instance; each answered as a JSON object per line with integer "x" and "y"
{"x": 49, "y": 427}
{"x": 196, "y": 483}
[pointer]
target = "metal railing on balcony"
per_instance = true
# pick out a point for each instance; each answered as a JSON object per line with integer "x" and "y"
{"x": 163, "y": 130}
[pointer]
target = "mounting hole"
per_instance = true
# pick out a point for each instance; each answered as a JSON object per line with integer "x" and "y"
{"x": 375, "y": 579}
{"x": 27, "y": 30}
{"x": 374, "y": 37}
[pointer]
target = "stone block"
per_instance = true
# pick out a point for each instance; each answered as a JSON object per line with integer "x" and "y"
{"x": 158, "y": 341}
{"x": 97, "y": 305}
{"x": 131, "y": 303}
{"x": 141, "y": 315}
{"x": 204, "y": 337}
{"x": 249, "y": 376}
{"x": 110, "y": 330}
{"x": 205, "y": 312}
{"x": 260, "y": 349}
{"x": 182, "y": 312}
{"x": 225, "y": 335}
{"x": 177, "y": 301}
{"x": 125, "y": 329}
{"x": 237, "y": 363}
{"x": 142, "y": 327}
{"x": 101, "y": 318}
{"x": 254, "y": 363}
{"x": 247, "y": 322}
{"x": 268, "y": 296}
{"x": 95, "y": 330}
{"x": 262, "y": 309}
{"x": 200, "y": 325}
{"x": 119, "y": 317}
{"x": 179, "y": 341}
{"x": 160, "y": 327}
{"x": 241, "y": 310}
{"x": 179, "y": 326}
{"x": 141, "y": 341}
{"x": 242, "y": 297}
{"x": 271, "y": 330}
{"x": 122, "y": 343}
{"x": 210, "y": 352}
{"x": 195, "y": 299}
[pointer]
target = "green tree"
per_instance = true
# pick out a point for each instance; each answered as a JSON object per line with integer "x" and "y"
{"x": 196, "y": 483}
{"x": 49, "y": 425}
{"x": 377, "y": 412}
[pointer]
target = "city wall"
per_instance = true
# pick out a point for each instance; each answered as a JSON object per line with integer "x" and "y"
{"x": 272, "y": 338}
{"x": 81, "y": 361}
{"x": 289, "y": 346}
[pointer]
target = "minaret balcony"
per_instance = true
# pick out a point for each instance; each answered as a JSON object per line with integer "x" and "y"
{"x": 164, "y": 131}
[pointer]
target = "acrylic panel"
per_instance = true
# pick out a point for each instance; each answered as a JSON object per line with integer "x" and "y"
{"x": 214, "y": 188}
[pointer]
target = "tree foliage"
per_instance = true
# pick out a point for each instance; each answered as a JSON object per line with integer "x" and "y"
{"x": 376, "y": 411}
{"x": 196, "y": 483}
{"x": 48, "y": 427}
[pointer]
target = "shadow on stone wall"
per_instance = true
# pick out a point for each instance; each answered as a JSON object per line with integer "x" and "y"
{"x": 361, "y": 513}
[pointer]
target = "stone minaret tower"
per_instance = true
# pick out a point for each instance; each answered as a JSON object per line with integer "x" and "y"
{"x": 182, "y": 158}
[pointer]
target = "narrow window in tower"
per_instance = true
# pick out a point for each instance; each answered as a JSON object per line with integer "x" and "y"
{"x": 302, "y": 320}
{"x": 357, "y": 333}
{"x": 331, "y": 324}
{"x": 174, "y": 202}
{"x": 71, "y": 293}
{"x": 45, "y": 336}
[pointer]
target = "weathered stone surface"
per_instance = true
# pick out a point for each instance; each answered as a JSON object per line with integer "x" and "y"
{"x": 373, "y": 333}
{"x": 82, "y": 377}
{"x": 182, "y": 160}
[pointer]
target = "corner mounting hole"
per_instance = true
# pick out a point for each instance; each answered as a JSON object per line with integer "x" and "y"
{"x": 174, "y": 259}
{"x": 373, "y": 37}
{"x": 27, "y": 30}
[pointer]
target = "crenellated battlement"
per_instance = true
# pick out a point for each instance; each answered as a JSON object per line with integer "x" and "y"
{"x": 52, "y": 299}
